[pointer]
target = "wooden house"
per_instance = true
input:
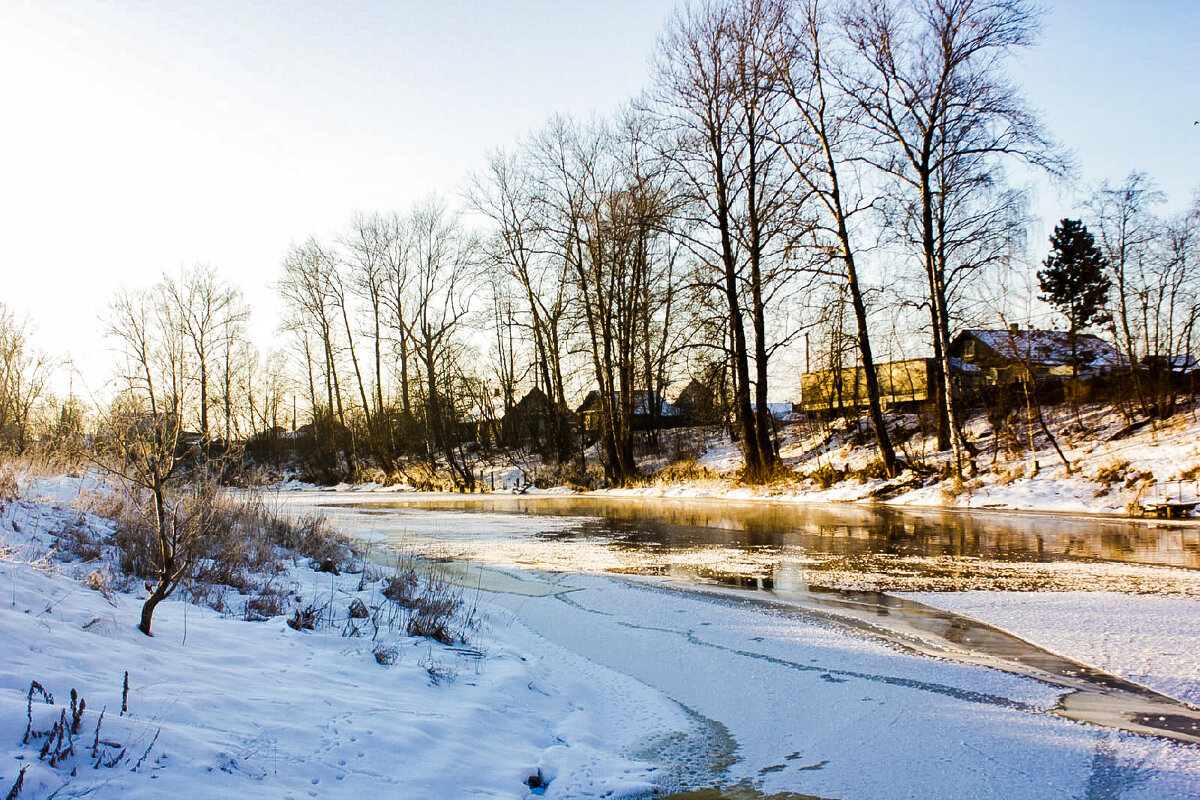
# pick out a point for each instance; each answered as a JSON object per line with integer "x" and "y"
{"x": 535, "y": 420}
{"x": 1006, "y": 356}
{"x": 902, "y": 384}
{"x": 650, "y": 412}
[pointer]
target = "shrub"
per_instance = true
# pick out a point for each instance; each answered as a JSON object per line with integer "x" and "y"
{"x": 1112, "y": 473}
{"x": 100, "y": 580}
{"x": 435, "y": 603}
{"x": 874, "y": 470}
{"x": 1135, "y": 477}
{"x": 827, "y": 475}
{"x": 386, "y": 655}
{"x": 311, "y": 536}
{"x": 77, "y": 539}
{"x": 242, "y": 546}
{"x": 304, "y": 618}
{"x": 687, "y": 469}
{"x": 264, "y": 605}
{"x": 403, "y": 587}
{"x": 9, "y": 489}
{"x": 567, "y": 473}
{"x": 780, "y": 474}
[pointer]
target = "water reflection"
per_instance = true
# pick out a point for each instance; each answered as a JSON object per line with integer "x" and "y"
{"x": 844, "y": 530}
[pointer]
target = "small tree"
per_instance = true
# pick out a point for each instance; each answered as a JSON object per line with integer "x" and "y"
{"x": 1074, "y": 281}
{"x": 142, "y": 440}
{"x": 144, "y": 449}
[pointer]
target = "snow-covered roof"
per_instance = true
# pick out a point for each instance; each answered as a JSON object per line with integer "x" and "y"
{"x": 963, "y": 366}
{"x": 643, "y": 402}
{"x": 1050, "y": 348}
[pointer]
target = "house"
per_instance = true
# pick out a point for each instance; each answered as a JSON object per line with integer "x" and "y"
{"x": 1171, "y": 365}
{"x": 1007, "y": 356}
{"x": 779, "y": 411}
{"x": 902, "y": 384}
{"x": 650, "y": 412}
{"x": 694, "y": 399}
{"x": 535, "y": 419}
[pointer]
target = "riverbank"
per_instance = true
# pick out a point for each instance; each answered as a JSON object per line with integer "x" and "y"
{"x": 1111, "y": 467}
{"x": 214, "y": 705}
{"x": 595, "y": 685}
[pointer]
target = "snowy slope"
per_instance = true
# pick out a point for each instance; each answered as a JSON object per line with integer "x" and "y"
{"x": 219, "y": 707}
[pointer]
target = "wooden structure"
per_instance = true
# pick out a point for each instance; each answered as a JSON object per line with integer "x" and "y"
{"x": 902, "y": 384}
{"x": 1008, "y": 356}
{"x": 1168, "y": 501}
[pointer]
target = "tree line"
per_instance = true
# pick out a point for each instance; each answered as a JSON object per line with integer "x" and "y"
{"x": 786, "y": 158}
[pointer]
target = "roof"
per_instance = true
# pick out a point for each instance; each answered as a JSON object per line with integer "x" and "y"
{"x": 643, "y": 402}
{"x": 1050, "y": 348}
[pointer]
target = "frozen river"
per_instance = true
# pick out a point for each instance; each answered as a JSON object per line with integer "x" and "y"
{"x": 819, "y": 693}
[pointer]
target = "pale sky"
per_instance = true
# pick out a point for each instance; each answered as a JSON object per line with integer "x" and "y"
{"x": 139, "y": 137}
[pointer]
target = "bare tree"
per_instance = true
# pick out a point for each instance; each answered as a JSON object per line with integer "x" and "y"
{"x": 713, "y": 99}
{"x": 24, "y": 374}
{"x": 821, "y": 139}
{"x": 209, "y": 315}
{"x": 442, "y": 267}
{"x": 1155, "y": 271}
{"x": 141, "y": 438}
{"x": 307, "y": 289}
{"x": 932, "y": 91}
{"x": 516, "y": 193}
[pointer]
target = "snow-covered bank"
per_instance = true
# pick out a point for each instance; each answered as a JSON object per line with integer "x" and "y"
{"x": 1113, "y": 465}
{"x": 1151, "y": 640}
{"x": 220, "y": 707}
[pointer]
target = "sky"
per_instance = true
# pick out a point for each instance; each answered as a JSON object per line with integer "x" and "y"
{"x": 140, "y": 138}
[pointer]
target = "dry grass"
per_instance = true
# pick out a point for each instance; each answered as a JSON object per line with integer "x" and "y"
{"x": 243, "y": 545}
{"x": 9, "y": 489}
{"x": 685, "y": 469}
{"x": 436, "y": 606}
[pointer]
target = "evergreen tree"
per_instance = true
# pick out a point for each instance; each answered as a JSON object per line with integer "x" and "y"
{"x": 1074, "y": 280}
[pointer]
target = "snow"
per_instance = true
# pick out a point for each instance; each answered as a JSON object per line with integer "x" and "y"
{"x": 1150, "y": 640}
{"x": 257, "y": 709}
{"x": 1110, "y": 468}
{"x": 605, "y": 686}
{"x": 1049, "y": 348}
{"x": 816, "y": 710}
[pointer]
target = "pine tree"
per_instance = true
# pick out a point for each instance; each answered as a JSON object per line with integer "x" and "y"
{"x": 1074, "y": 280}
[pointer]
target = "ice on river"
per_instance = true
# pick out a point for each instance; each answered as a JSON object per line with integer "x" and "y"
{"x": 608, "y": 686}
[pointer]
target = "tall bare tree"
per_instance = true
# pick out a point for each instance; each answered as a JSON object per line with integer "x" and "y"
{"x": 712, "y": 95}
{"x": 517, "y": 193}
{"x": 443, "y": 260}
{"x": 313, "y": 315}
{"x": 822, "y": 141}
{"x": 933, "y": 92}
